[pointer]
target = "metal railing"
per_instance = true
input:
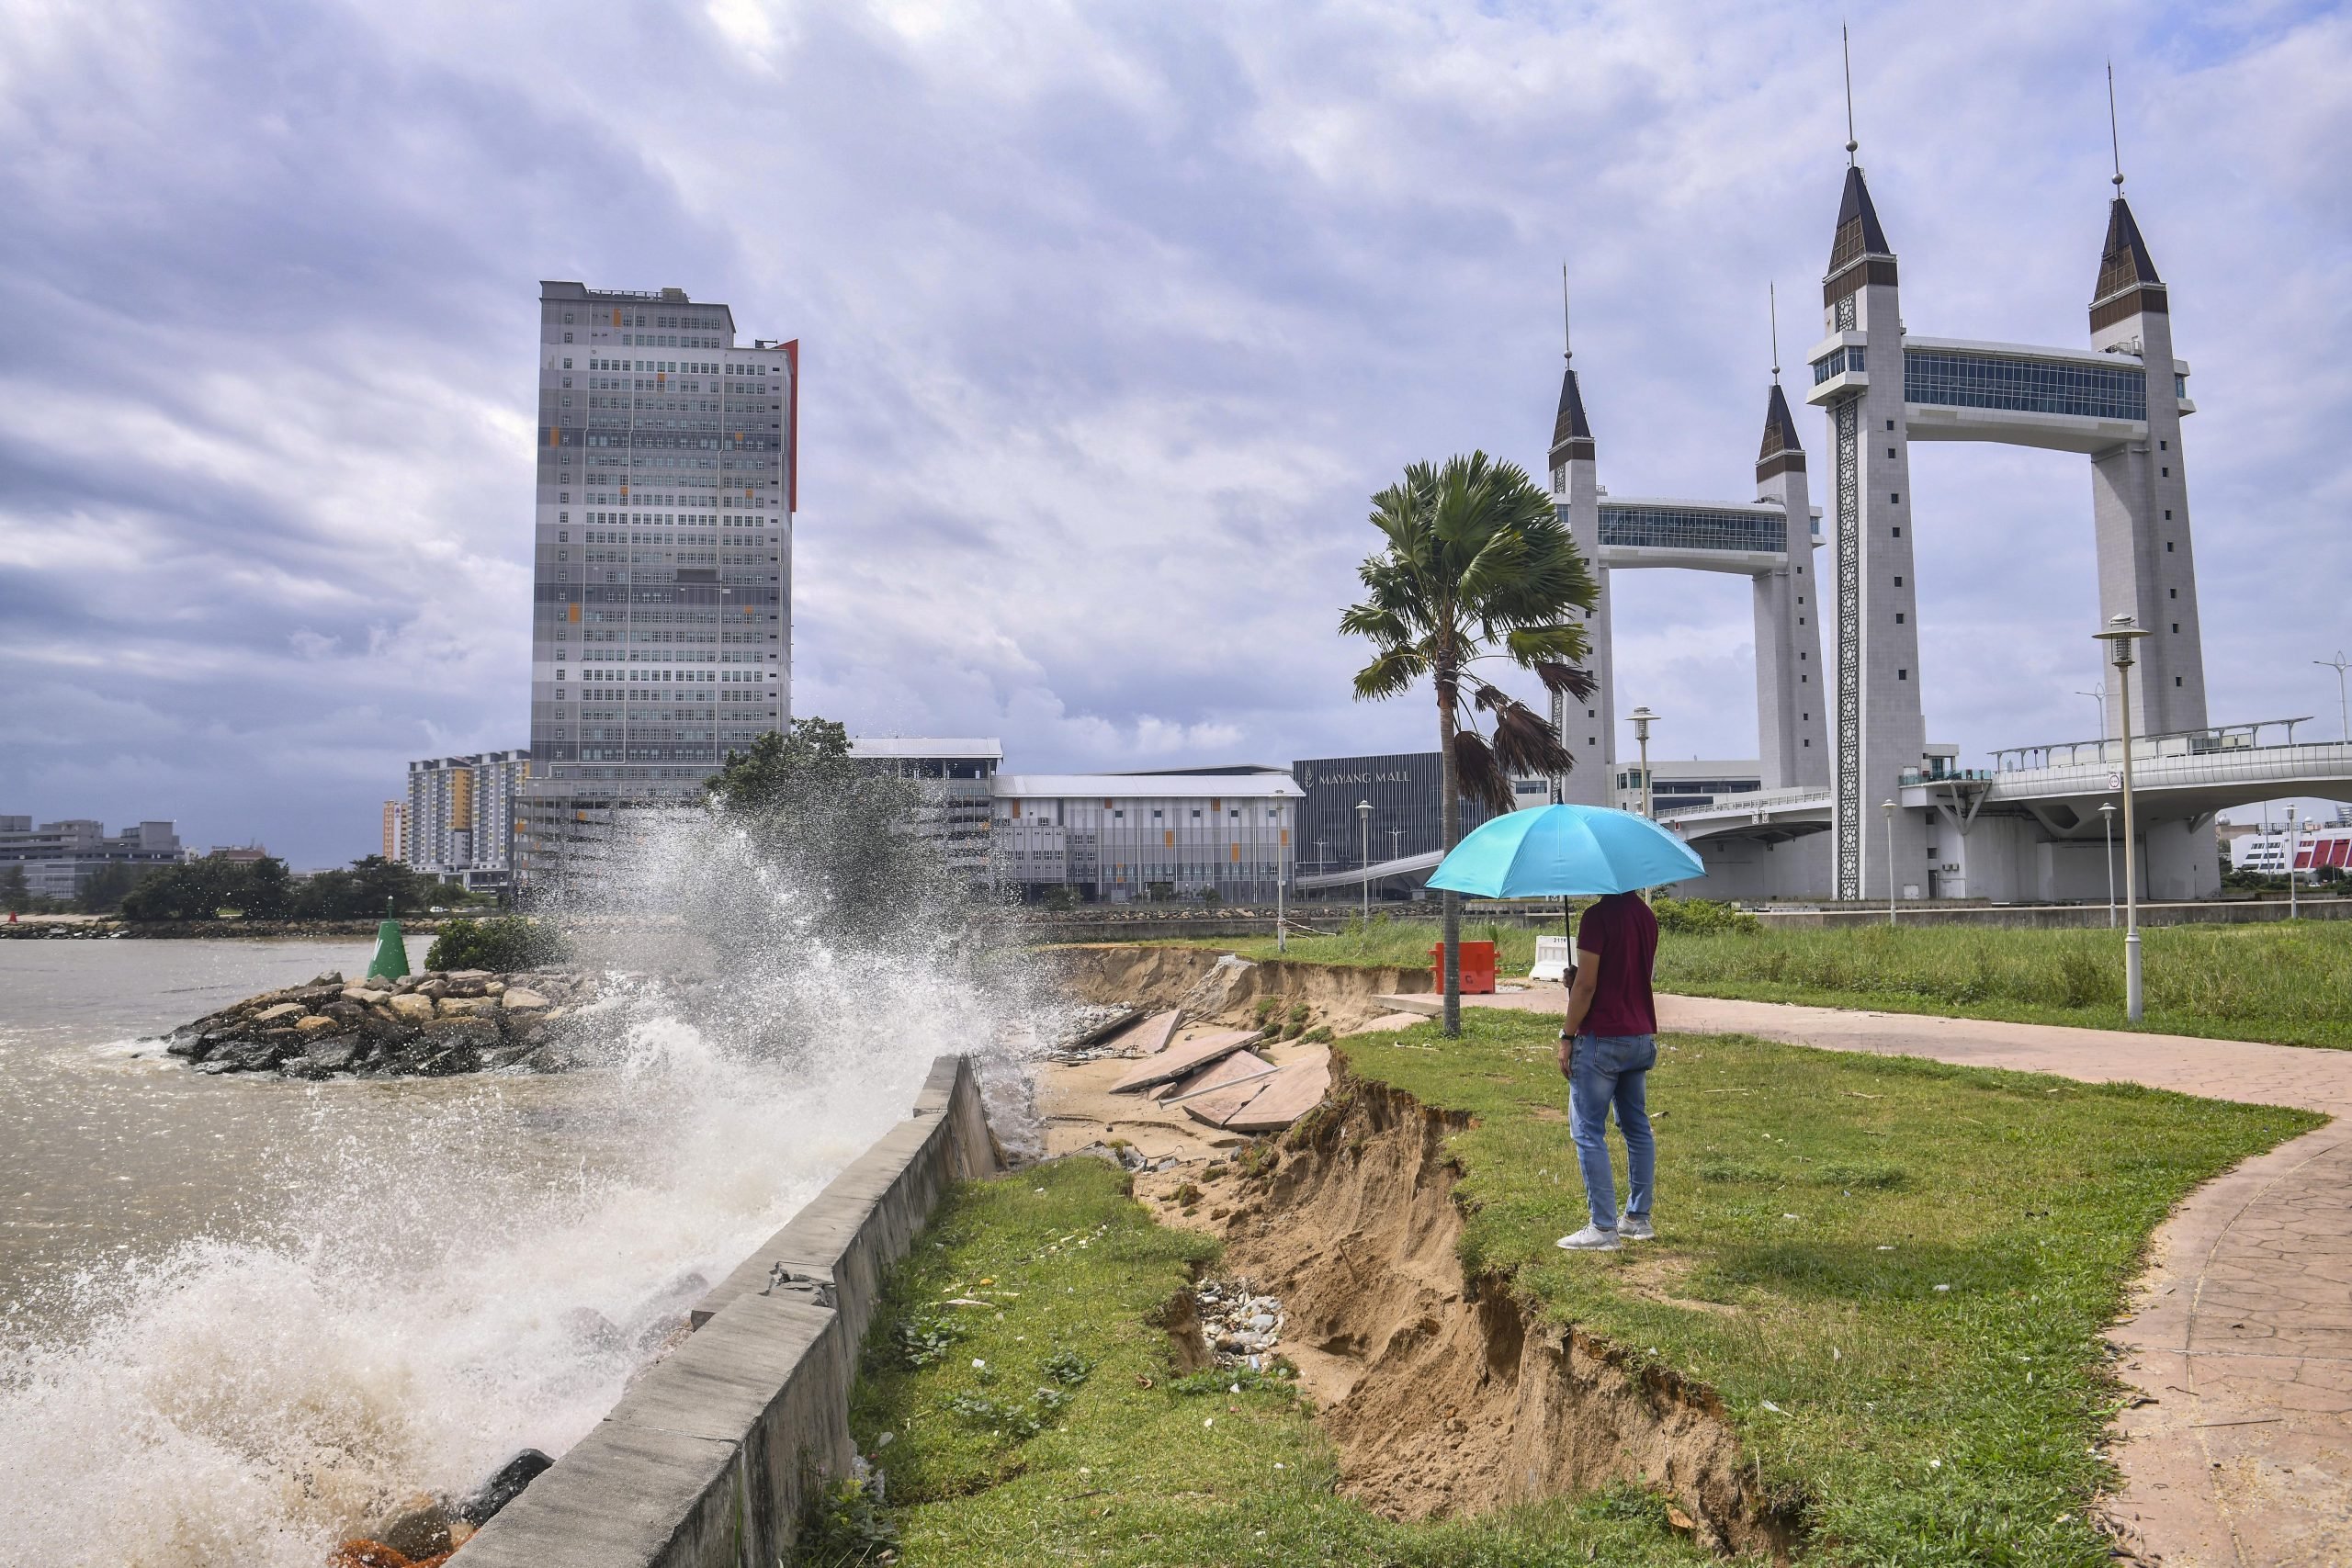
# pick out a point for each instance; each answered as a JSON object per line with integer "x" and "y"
{"x": 2172, "y": 743}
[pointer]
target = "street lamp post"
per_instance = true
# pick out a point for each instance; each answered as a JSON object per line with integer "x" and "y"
{"x": 2121, "y": 633}
{"x": 1282, "y": 926}
{"x": 2294, "y": 842}
{"x": 1364, "y": 821}
{"x": 1643, "y": 718}
{"x": 2343, "y": 711}
{"x": 1888, "y": 807}
{"x": 2100, "y": 698}
{"x": 2106, "y": 816}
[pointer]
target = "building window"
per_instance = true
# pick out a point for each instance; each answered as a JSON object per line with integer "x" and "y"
{"x": 2168, "y": 517}
{"x": 1898, "y": 533}
{"x": 2176, "y": 680}
{"x": 1903, "y": 675}
{"x": 1898, "y": 617}
{"x": 1898, "y": 582}
{"x": 2172, "y": 592}
{"x": 1895, "y": 498}
{"x": 1890, "y": 451}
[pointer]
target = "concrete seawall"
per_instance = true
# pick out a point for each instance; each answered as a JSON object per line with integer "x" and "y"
{"x": 707, "y": 1460}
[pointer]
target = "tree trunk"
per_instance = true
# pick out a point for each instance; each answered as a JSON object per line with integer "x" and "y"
{"x": 1450, "y": 829}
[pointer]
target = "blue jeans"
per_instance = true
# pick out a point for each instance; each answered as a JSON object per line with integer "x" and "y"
{"x": 1606, "y": 1070}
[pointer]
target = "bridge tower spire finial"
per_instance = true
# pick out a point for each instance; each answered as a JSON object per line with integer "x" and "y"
{"x": 1845, "y": 44}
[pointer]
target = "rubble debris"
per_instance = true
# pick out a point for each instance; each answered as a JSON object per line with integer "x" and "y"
{"x": 1239, "y": 1325}
{"x": 1088, "y": 1032}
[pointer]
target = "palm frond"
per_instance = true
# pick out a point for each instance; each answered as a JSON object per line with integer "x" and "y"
{"x": 1526, "y": 743}
{"x": 1475, "y": 773}
{"x": 1569, "y": 678}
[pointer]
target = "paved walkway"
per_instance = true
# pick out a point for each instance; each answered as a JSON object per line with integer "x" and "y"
{"x": 2239, "y": 1340}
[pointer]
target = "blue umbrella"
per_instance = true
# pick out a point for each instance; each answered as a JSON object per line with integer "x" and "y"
{"x": 1564, "y": 850}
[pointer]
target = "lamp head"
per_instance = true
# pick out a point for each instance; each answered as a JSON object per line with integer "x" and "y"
{"x": 1642, "y": 719}
{"x": 1363, "y": 809}
{"x": 1887, "y": 806}
{"x": 2120, "y": 634}
{"x": 2106, "y": 809}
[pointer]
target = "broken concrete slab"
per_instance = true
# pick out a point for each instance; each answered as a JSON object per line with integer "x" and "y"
{"x": 1148, "y": 1036}
{"x": 1283, "y": 1098}
{"x": 1242, "y": 1066}
{"x": 1178, "y": 1060}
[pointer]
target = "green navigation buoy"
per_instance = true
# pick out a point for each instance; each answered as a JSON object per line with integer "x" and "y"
{"x": 392, "y": 953}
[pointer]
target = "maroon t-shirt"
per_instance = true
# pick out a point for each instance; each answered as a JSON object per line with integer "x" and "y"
{"x": 1619, "y": 937}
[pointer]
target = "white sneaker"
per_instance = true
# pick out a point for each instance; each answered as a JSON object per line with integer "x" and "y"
{"x": 1592, "y": 1238}
{"x": 1633, "y": 1229}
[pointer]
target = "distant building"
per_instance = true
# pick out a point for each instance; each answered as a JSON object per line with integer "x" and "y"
{"x": 1116, "y": 837}
{"x": 459, "y": 823}
{"x": 2269, "y": 851}
{"x": 661, "y": 624}
{"x": 956, "y": 777}
{"x": 1405, "y": 791}
{"x": 60, "y": 858}
{"x": 396, "y": 831}
{"x": 238, "y": 854}
{"x": 1679, "y": 784}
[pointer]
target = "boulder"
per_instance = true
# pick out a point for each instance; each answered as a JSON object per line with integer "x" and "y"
{"x": 347, "y": 1011}
{"x": 325, "y": 1057}
{"x": 444, "y": 1046}
{"x": 519, "y": 998}
{"x": 494, "y": 989}
{"x": 364, "y": 995}
{"x": 420, "y": 1528}
{"x": 257, "y": 1054}
{"x": 411, "y": 1006}
{"x": 434, "y": 987}
{"x": 315, "y": 995}
{"x": 332, "y": 977}
{"x": 281, "y": 1009}
{"x": 504, "y": 1487}
{"x": 462, "y": 1006}
{"x": 315, "y": 1022}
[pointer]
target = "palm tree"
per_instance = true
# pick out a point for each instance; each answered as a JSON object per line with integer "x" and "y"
{"x": 1478, "y": 566}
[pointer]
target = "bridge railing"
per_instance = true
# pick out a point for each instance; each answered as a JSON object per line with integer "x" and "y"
{"x": 2170, "y": 743}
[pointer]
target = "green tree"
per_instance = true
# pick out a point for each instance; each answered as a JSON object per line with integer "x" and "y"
{"x": 1476, "y": 566}
{"x": 15, "y": 895}
{"x": 850, "y": 839}
{"x": 104, "y": 892}
{"x": 200, "y": 889}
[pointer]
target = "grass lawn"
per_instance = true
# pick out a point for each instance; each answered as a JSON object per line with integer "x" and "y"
{"x": 1895, "y": 1273}
{"x": 2288, "y": 982}
{"x": 1811, "y": 1205}
{"x": 1050, "y": 1427}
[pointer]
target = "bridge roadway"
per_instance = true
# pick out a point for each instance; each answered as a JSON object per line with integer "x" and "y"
{"x": 2168, "y": 783}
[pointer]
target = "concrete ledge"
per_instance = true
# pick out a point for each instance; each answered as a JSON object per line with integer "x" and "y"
{"x": 706, "y": 1461}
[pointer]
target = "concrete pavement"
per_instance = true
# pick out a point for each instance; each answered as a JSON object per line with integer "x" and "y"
{"x": 2238, "y": 1453}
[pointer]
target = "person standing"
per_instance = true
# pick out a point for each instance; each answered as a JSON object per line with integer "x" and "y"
{"x": 1607, "y": 1048}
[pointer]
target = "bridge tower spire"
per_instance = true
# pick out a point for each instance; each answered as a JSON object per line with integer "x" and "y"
{"x": 1792, "y": 715}
{"x": 1587, "y": 729}
{"x": 1877, "y": 729}
{"x": 2140, "y": 488}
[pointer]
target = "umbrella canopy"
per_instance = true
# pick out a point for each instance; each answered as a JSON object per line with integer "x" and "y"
{"x": 1562, "y": 850}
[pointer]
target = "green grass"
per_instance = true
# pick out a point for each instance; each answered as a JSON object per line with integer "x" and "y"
{"x": 2288, "y": 983}
{"x": 1809, "y": 1205}
{"x": 1050, "y": 1427}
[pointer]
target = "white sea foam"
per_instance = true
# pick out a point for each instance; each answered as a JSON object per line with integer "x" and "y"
{"x": 422, "y": 1305}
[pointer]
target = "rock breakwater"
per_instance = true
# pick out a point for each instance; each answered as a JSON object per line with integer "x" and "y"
{"x": 429, "y": 1025}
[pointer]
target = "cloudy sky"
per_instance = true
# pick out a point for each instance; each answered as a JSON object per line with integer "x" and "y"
{"x": 1112, "y": 316}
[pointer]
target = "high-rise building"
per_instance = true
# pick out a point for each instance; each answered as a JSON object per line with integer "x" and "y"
{"x": 661, "y": 631}
{"x": 460, "y": 821}
{"x": 396, "y": 830}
